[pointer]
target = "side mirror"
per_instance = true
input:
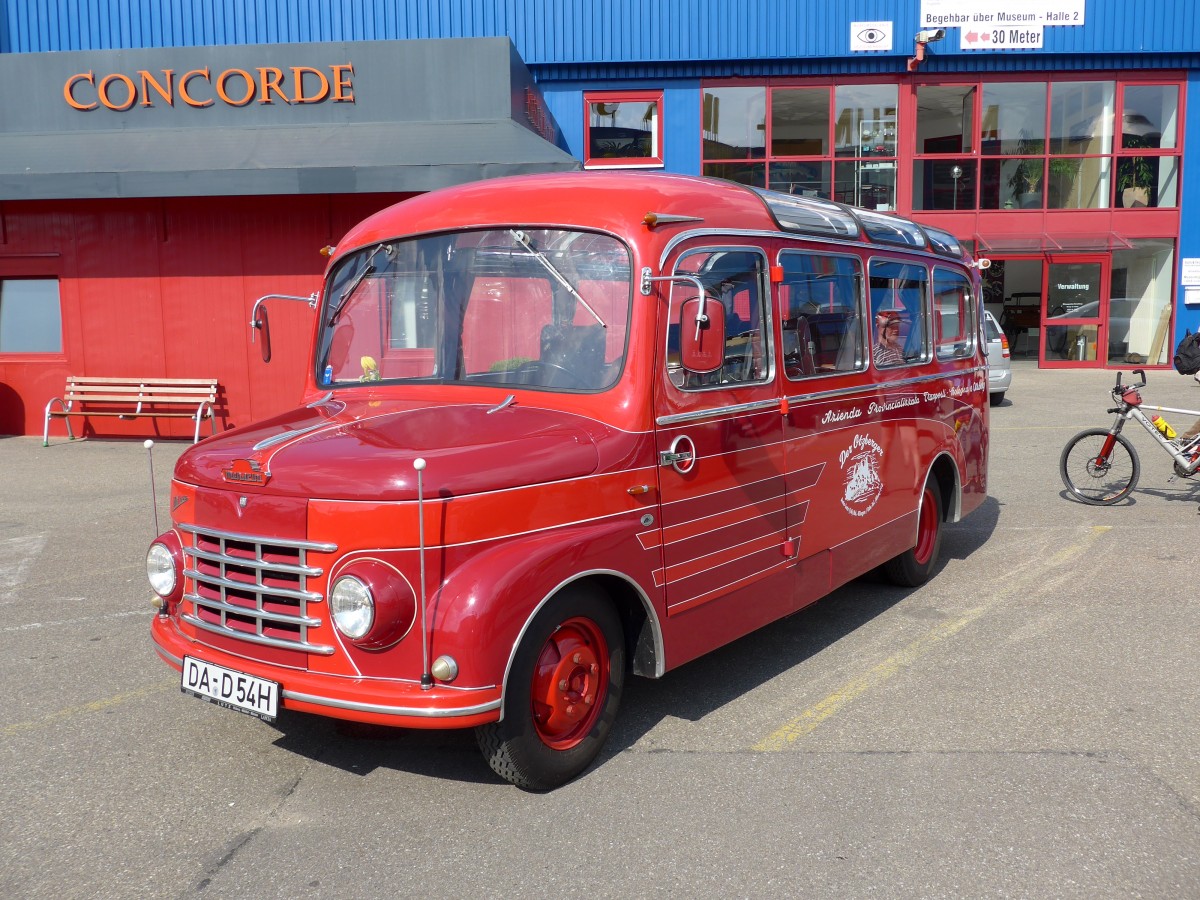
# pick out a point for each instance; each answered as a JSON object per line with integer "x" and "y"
{"x": 258, "y": 318}
{"x": 701, "y": 336}
{"x": 262, "y": 324}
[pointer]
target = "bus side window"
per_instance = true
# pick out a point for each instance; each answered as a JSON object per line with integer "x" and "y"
{"x": 821, "y": 311}
{"x": 954, "y": 316}
{"x": 898, "y": 292}
{"x": 734, "y": 279}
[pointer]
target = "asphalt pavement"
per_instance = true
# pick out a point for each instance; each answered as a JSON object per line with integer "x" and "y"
{"x": 1024, "y": 725}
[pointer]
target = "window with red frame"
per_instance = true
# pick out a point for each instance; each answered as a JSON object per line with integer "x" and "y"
{"x": 623, "y": 129}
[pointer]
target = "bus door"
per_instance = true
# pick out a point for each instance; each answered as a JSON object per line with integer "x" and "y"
{"x": 824, "y": 344}
{"x": 719, "y": 443}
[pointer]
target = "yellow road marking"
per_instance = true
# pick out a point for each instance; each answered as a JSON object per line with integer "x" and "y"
{"x": 94, "y": 706}
{"x": 811, "y": 719}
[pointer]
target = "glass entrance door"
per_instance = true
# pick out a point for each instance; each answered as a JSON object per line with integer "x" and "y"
{"x": 1075, "y": 311}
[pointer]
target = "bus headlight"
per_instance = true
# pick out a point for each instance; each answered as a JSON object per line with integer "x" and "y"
{"x": 163, "y": 561}
{"x": 353, "y": 607}
{"x": 372, "y": 604}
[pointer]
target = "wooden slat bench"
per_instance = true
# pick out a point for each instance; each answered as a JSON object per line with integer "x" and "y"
{"x": 131, "y": 398}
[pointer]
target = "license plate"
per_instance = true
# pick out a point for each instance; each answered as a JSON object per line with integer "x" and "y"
{"x": 233, "y": 690}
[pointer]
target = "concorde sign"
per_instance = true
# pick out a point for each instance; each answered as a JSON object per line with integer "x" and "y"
{"x": 1000, "y": 24}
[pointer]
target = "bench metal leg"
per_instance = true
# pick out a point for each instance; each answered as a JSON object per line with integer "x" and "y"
{"x": 66, "y": 409}
{"x": 205, "y": 410}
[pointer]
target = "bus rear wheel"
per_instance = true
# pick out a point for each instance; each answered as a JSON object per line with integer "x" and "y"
{"x": 562, "y": 693}
{"x": 914, "y": 567}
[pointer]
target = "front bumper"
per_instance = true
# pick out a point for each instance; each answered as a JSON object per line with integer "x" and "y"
{"x": 374, "y": 700}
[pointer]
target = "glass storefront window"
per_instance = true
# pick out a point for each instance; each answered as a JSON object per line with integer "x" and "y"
{"x": 30, "y": 316}
{"x": 983, "y": 145}
{"x": 1011, "y": 183}
{"x": 944, "y": 119}
{"x": 623, "y": 128}
{"x": 944, "y": 184}
{"x": 800, "y": 122}
{"x": 1147, "y": 181}
{"x": 1013, "y": 119}
{"x": 1078, "y": 182}
{"x": 865, "y": 129}
{"x": 1139, "y": 306}
{"x": 808, "y": 179}
{"x": 749, "y": 174}
{"x": 871, "y": 185}
{"x": 735, "y": 123}
{"x": 1081, "y": 114}
{"x": 865, "y": 120}
{"x": 1149, "y": 114}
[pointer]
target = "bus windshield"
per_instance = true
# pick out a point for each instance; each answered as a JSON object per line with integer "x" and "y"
{"x": 538, "y": 308}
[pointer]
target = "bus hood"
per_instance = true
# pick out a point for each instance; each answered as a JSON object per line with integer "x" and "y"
{"x": 364, "y": 450}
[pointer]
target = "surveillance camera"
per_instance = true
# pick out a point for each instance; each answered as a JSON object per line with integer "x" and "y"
{"x": 929, "y": 35}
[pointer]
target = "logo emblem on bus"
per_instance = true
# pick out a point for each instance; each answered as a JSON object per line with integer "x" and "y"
{"x": 860, "y": 467}
{"x": 246, "y": 471}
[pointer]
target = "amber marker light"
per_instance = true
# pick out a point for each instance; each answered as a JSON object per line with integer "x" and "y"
{"x": 328, "y": 250}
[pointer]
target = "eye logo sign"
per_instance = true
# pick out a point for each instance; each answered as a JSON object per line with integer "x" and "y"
{"x": 860, "y": 464}
{"x": 866, "y": 37}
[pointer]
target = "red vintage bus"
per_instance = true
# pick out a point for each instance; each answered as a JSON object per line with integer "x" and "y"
{"x": 562, "y": 428}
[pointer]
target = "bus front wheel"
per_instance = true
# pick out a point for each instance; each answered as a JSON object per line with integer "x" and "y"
{"x": 562, "y": 693}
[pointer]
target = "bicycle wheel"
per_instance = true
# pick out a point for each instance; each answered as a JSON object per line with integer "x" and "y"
{"x": 1095, "y": 477}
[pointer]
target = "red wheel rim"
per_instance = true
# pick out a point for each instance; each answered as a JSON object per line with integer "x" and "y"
{"x": 927, "y": 528}
{"x": 570, "y": 683}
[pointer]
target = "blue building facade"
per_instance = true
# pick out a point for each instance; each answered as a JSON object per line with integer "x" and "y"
{"x": 1051, "y": 135}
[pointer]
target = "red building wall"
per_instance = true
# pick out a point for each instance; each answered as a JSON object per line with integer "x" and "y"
{"x": 164, "y": 288}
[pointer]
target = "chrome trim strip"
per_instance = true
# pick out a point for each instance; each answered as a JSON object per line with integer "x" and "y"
{"x": 288, "y": 435}
{"x": 257, "y": 539}
{"x": 309, "y": 571}
{"x": 251, "y": 611}
{"x": 866, "y": 388}
{"x": 732, "y": 409}
{"x": 420, "y": 712}
{"x": 252, "y": 587}
{"x": 844, "y": 242}
{"x": 318, "y": 649}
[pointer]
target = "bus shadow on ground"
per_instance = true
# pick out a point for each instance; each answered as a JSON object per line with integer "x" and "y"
{"x": 690, "y": 692}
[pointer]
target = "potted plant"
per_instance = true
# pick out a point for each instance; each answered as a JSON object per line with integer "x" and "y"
{"x": 1135, "y": 174}
{"x": 1026, "y": 179}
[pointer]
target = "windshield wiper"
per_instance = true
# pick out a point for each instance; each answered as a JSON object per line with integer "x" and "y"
{"x": 367, "y": 269}
{"x": 523, "y": 239}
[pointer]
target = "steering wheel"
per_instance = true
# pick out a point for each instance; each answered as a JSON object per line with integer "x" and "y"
{"x": 538, "y": 365}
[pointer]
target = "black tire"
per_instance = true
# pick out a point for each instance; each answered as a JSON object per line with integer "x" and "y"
{"x": 996, "y": 399}
{"x": 914, "y": 567}
{"x": 1099, "y": 484}
{"x": 540, "y": 745}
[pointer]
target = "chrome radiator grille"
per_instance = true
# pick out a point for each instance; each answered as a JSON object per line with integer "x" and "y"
{"x": 252, "y": 589}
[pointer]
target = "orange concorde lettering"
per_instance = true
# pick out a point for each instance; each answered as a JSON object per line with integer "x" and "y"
{"x": 149, "y": 81}
{"x": 69, "y": 90}
{"x": 223, "y": 80}
{"x": 106, "y": 99}
{"x": 269, "y": 79}
{"x": 183, "y": 88}
{"x": 298, "y": 73}
{"x": 343, "y": 89}
{"x": 267, "y": 84}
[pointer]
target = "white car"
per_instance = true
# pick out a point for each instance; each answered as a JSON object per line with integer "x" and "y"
{"x": 999, "y": 359}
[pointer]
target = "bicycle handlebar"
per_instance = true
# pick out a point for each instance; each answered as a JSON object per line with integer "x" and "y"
{"x": 1141, "y": 373}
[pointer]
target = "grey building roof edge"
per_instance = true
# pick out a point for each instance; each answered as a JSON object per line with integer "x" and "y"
{"x": 350, "y": 158}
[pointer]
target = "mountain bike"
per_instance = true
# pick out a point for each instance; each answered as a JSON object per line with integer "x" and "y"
{"x": 1101, "y": 467}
